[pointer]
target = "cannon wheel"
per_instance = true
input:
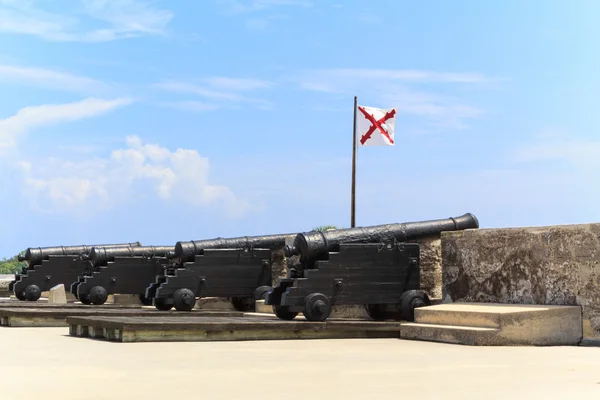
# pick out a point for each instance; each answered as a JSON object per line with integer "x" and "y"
{"x": 20, "y": 295}
{"x": 184, "y": 300}
{"x": 144, "y": 300}
{"x": 243, "y": 304}
{"x": 377, "y": 312}
{"x": 32, "y": 293}
{"x": 283, "y": 312}
{"x": 260, "y": 292}
{"x": 317, "y": 307}
{"x": 85, "y": 299}
{"x": 410, "y": 300}
{"x": 163, "y": 304}
{"x": 98, "y": 295}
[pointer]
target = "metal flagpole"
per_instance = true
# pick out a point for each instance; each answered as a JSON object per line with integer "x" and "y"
{"x": 353, "y": 199}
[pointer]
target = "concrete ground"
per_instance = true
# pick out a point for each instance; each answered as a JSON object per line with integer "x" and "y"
{"x": 48, "y": 364}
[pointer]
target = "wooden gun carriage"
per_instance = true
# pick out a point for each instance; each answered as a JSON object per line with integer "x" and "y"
{"x": 122, "y": 270}
{"x": 236, "y": 268}
{"x": 372, "y": 266}
{"x": 51, "y": 266}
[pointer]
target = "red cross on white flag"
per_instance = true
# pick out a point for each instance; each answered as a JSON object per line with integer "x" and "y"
{"x": 375, "y": 126}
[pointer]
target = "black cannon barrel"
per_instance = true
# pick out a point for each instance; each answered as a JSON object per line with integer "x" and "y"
{"x": 187, "y": 251}
{"x": 100, "y": 256}
{"x": 35, "y": 255}
{"x": 311, "y": 245}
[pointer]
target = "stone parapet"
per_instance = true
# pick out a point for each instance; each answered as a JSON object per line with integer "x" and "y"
{"x": 431, "y": 265}
{"x": 4, "y": 292}
{"x": 553, "y": 265}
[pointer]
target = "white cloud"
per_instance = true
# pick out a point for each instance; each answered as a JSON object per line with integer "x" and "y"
{"x": 48, "y": 78}
{"x": 237, "y": 83}
{"x": 396, "y": 88}
{"x": 260, "y": 6}
{"x": 186, "y": 87}
{"x": 341, "y": 75}
{"x": 257, "y": 23}
{"x": 220, "y": 91}
{"x": 122, "y": 19}
{"x": 577, "y": 152}
{"x": 133, "y": 174}
{"x": 260, "y": 24}
{"x": 441, "y": 111}
{"x": 248, "y": 6}
{"x": 79, "y": 148}
{"x": 193, "y": 106}
{"x": 129, "y": 16}
{"x": 370, "y": 19}
{"x": 28, "y": 118}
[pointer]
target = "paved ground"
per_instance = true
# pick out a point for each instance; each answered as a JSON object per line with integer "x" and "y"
{"x": 46, "y": 362}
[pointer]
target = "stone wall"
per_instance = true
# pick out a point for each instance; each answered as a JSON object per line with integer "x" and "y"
{"x": 431, "y": 266}
{"x": 4, "y": 288}
{"x": 558, "y": 265}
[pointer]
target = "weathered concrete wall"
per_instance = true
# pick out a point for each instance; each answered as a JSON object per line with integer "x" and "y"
{"x": 431, "y": 266}
{"x": 558, "y": 265}
{"x": 4, "y": 288}
{"x": 278, "y": 266}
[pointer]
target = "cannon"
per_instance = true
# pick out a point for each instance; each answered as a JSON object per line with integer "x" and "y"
{"x": 235, "y": 268}
{"x": 374, "y": 266}
{"x": 51, "y": 266}
{"x": 187, "y": 251}
{"x": 35, "y": 255}
{"x": 123, "y": 270}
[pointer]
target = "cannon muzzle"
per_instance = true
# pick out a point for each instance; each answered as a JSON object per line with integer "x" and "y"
{"x": 35, "y": 255}
{"x": 311, "y": 246}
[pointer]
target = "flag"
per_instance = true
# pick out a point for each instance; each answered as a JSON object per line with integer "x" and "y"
{"x": 375, "y": 126}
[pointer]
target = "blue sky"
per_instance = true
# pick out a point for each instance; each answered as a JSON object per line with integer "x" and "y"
{"x": 163, "y": 121}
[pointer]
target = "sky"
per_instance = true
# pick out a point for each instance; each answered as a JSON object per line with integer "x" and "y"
{"x": 162, "y": 121}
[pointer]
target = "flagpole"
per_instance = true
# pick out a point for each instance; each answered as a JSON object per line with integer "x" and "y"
{"x": 353, "y": 199}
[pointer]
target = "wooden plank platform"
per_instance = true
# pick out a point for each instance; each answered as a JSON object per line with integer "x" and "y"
{"x": 13, "y": 303}
{"x": 205, "y": 328}
{"x": 52, "y": 317}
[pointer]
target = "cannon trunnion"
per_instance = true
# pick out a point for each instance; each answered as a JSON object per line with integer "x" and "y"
{"x": 120, "y": 270}
{"x": 51, "y": 266}
{"x": 242, "y": 275}
{"x": 383, "y": 277}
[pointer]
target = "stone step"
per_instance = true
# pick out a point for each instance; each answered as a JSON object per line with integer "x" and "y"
{"x": 488, "y": 315}
{"x": 474, "y": 336}
{"x": 496, "y": 324}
